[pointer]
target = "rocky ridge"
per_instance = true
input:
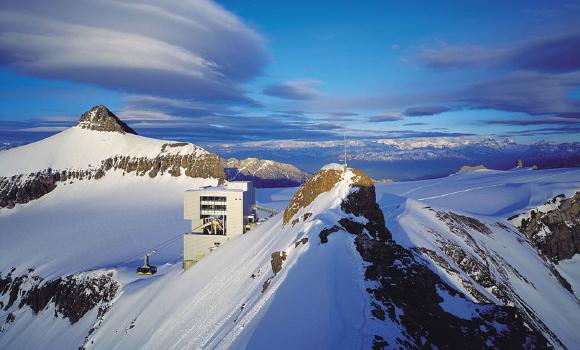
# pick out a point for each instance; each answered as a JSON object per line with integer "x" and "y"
{"x": 404, "y": 291}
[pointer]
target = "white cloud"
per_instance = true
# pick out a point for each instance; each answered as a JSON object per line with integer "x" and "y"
{"x": 187, "y": 49}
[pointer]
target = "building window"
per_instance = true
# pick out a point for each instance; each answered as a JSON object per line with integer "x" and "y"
{"x": 213, "y": 199}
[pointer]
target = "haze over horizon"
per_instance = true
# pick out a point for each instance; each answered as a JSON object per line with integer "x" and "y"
{"x": 235, "y": 71}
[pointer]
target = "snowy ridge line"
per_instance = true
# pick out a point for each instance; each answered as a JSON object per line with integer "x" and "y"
{"x": 518, "y": 276}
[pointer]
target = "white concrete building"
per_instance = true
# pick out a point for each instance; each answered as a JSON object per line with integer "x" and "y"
{"x": 216, "y": 214}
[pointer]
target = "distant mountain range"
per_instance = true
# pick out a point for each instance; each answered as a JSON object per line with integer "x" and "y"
{"x": 417, "y": 158}
{"x": 290, "y": 161}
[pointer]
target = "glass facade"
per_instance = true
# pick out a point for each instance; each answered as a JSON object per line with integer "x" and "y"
{"x": 213, "y": 205}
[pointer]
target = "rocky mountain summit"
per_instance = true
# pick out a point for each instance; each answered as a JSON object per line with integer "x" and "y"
{"x": 554, "y": 227}
{"x": 99, "y": 145}
{"x": 264, "y": 173}
{"x": 404, "y": 292}
{"x": 100, "y": 118}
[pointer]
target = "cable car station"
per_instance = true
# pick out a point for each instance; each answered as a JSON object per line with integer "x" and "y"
{"x": 216, "y": 214}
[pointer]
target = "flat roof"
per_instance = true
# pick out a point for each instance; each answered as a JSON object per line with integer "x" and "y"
{"x": 215, "y": 189}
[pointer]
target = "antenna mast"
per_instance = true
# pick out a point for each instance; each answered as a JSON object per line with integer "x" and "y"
{"x": 345, "y": 164}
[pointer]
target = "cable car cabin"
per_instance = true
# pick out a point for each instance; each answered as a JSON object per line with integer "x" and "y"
{"x": 146, "y": 268}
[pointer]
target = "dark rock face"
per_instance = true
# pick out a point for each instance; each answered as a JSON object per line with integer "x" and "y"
{"x": 407, "y": 293}
{"x": 99, "y": 118}
{"x": 486, "y": 267}
{"x": 556, "y": 233}
{"x": 73, "y": 296}
{"x": 327, "y": 232}
{"x": 362, "y": 202}
{"x": 405, "y": 284}
{"x": 21, "y": 189}
{"x": 24, "y": 188}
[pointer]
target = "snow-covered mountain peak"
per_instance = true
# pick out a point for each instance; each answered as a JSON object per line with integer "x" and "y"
{"x": 100, "y": 118}
{"x": 264, "y": 173}
{"x": 99, "y": 145}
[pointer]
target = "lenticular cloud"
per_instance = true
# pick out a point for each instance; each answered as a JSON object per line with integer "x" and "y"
{"x": 182, "y": 49}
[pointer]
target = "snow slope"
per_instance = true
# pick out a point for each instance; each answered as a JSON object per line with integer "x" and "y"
{"x": 203, "y": 304}
{"x": 491, "y": 192}
{"x": 95, "y": 223}
{"x": 492, "y": 196}
{"x": 77, "y": 148}
{"x": 317, "y": 300}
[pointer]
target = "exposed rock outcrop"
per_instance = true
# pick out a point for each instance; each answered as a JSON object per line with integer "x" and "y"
{"x": 410, "y": 294}
{"x": 323, "y": 181}
{"x": 277, "y": 259}
{"x": 100, "y": 118}
{"x": 554, "y": 228}
{"x": 71, "y": 296}
{"x": 264, "y": 173}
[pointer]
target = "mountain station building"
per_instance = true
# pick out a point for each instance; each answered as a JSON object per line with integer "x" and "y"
{"x": 216, "y": 214}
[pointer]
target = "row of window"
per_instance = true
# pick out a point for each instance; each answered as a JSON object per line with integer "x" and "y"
{"x": 213, "y": 199}
{"x": 213, "y": 207}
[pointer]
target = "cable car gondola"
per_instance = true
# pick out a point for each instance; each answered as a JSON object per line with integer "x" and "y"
{"x": 146, "y": 268}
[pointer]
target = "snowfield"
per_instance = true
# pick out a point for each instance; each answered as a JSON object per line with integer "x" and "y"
{"x": 317, "y": 299}
{"x": 76, "y": 148}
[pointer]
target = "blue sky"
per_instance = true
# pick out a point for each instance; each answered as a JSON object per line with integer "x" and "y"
{"x": 263, "y": 70}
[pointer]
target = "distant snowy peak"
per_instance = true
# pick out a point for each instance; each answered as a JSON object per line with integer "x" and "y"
{"x": 264, "y": 173}
{"x": 467, "y": 168}
{"x": 100, "y": 118}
